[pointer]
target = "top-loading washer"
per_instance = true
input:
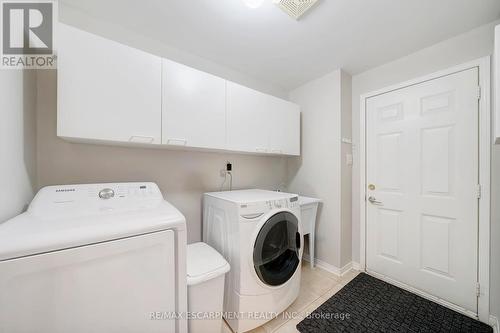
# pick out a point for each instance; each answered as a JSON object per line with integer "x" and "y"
{"x": 94, "y": 258}
{"x": 260, "y": 235}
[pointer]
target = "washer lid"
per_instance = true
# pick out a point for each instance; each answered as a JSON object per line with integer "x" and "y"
{"x": 253, "y": 195}
{"x": 62, "y": 217}
{"x": 204, "y": 263}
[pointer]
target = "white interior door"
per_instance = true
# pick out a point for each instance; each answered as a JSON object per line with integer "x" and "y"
{"x": 422, "y": 187}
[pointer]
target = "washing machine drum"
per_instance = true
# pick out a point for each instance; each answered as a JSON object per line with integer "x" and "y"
{"x": 276, "y": 249}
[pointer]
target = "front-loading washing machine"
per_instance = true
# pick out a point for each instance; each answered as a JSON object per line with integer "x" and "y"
{"x": 259, "y": 233}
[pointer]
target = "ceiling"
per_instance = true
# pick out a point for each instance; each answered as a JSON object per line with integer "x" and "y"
{"x": 266, "y": 44}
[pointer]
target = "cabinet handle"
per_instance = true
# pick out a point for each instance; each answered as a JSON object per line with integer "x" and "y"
{"x": 176, "y": 142}
{"x": 141, "y": 139}
{"x": 252, "y": 216}
{"x": 277, "y": 151}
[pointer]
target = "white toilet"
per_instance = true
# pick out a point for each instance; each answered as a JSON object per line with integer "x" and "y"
{"x": 206, "y": 269}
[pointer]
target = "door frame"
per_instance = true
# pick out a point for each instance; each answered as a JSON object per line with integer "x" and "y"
{"x": 485, "y": 140}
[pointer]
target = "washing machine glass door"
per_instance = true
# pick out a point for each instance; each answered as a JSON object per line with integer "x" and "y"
{"x": 276, "y": 249}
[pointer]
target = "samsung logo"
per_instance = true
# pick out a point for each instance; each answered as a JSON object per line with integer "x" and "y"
{"x": 66, "y": 190}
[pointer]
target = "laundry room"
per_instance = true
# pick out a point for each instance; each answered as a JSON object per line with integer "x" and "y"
{"x": 249, "y": 166}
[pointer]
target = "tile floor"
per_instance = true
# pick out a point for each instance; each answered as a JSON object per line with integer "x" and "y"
{"x": 317, "y": 286}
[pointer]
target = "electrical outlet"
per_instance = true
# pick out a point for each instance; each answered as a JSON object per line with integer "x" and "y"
{"x": 348, "y": 159}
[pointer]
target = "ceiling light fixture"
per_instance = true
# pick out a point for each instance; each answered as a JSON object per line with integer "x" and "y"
{"x": 295, "y": 8}
{"x": 253, "y": 3}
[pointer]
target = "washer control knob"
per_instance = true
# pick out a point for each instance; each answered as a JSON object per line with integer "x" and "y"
{"x": 106, "y": 193}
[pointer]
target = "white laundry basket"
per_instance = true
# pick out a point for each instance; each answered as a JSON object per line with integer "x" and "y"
{"x": 206, "y": 269}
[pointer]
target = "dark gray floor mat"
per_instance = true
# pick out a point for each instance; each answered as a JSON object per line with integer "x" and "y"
{"x": 367, "y": 304}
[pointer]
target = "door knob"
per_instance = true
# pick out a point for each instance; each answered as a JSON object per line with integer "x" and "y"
{"x": 374, "y": 201}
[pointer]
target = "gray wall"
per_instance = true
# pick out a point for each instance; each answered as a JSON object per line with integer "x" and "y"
{"x": 182, "y": 176}
{"x": 322, "y": 171}
{"x": 466, "y": 47}
{"x": 317, "y": 173}
{"x": 17, "y": 141}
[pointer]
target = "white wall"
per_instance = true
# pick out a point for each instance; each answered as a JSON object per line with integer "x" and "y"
{"x": 317, "y": 173}
{"x": 346, "y": 170}
{"x": 79, "y": 19}
{"x": 183, "y": 177}
{"x": 466, "y": 47}
{"x": 17, "y": 141}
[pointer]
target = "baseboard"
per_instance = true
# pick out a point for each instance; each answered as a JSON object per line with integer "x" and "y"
{"x": 356, "y": 266}
{"x": 331, "y": 268}
{"x": 495, "y": 324}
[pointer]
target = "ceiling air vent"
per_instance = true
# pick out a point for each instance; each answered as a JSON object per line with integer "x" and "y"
{"x": 295, "y": 8}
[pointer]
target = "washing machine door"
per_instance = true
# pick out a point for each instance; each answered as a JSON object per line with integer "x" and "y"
{"x": 276, "y": 250}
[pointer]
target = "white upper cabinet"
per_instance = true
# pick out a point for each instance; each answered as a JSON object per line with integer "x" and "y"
{"x": 194, "y": 107}
{"x": 109, "y": 92}
{"x": 284, "y": 132}
{"x": 261, "y": 123}
{"x": 497, "y": 85}
{"x": 106, "y": 91}
{"x": 247, "y": 121}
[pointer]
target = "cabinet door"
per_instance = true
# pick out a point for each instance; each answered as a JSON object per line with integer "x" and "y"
{"x": 107, "y": 91}
{"x": 284, "y": 132}
{"x": 193, "y": 106}
{"x": 247, "y": 119}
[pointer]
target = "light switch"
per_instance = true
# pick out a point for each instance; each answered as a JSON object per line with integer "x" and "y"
{"x": 348, "y": 159}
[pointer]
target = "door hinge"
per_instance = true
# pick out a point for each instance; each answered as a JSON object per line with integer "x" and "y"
{"x": 478, "y": 289}
{"x": 479, "y": 191}
{"x": 479, "y": 92}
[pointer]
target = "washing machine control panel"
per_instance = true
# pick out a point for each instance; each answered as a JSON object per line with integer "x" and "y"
{"x": 283, "y": 203}
{"x": 88, "y": 198}
{"x": 277, "y": 204}
{"x": 294, "y": 202}
{"x": 254, "y": 210}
